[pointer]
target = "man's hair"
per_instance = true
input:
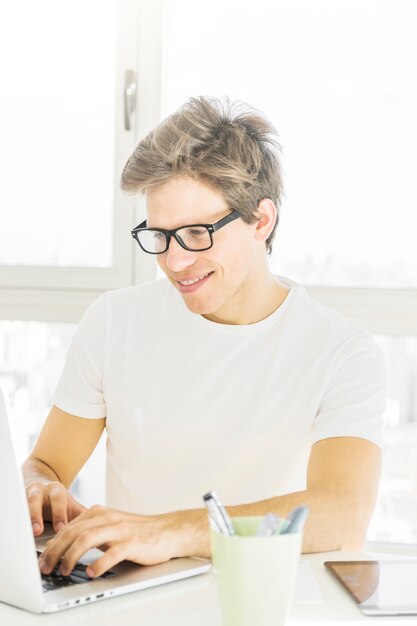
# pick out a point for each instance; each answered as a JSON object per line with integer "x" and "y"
{"x": 230, "y": 147}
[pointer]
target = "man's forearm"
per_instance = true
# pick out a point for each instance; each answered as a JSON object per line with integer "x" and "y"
{"x": 332, "y": 524}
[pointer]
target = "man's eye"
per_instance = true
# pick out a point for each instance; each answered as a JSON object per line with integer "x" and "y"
{"x": 197, "y": 232}
{"x": 158, "y": 236}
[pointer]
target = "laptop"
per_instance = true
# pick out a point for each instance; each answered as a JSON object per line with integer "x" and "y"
{"x": 21, "y": 583}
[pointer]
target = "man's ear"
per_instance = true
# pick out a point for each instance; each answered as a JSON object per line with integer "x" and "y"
{"x": 267, "y": 215}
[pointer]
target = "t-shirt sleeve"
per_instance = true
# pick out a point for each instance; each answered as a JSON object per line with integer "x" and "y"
{"x": 80, "y": 387}
{"x": 354, "y": 402}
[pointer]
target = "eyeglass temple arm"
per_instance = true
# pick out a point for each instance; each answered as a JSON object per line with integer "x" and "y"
{"x": 229, "y": 218}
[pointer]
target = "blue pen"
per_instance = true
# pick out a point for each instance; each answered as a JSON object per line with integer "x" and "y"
{"x": 296, "y": 520}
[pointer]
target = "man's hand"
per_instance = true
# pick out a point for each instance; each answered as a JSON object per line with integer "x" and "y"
{"x": 143, "y": 539}
{"x": 52, "y": 466}
{"x": 50, "y": 501}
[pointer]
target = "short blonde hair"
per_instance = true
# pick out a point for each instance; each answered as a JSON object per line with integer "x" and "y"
{"x": 230, "y": 147}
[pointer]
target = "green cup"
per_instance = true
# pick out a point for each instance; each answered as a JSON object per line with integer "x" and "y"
{"x": 255, "y": 575}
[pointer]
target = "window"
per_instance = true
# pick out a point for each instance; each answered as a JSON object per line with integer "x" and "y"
{"x": 65, "y": 224}
{"x": 53, "y": 171}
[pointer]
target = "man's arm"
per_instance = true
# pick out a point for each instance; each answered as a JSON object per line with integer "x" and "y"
{"x": 64, "y": 445}
{"x": 342, "y": 481}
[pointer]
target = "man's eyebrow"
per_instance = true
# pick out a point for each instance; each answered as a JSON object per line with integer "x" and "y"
{"x": 211, "y": 220}
{"x": 182, "y": 225}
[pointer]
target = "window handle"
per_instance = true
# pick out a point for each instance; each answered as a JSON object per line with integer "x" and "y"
{"x": 129, "y": 97}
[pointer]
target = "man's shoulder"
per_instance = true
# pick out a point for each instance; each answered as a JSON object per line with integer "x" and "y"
{"x": 134, "y": 311}
{"x": 325, "y": 336}
{"x": 139, "y": 301}
{"x": 330, "y": 318}
{"x": 323, "y": 324}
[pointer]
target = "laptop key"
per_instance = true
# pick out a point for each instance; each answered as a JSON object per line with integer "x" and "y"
{"x": 55, "y": 580}
{"x": 79, "y": 572}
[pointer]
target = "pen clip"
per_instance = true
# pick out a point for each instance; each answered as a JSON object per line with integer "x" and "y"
{"x": 218, "y": 514}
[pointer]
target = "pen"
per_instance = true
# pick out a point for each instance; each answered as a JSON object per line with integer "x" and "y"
{"x": 296, "y": 520}
{"x": 217, "y": 514}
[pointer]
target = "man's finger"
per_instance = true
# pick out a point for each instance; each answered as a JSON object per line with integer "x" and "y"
{"x": 110, "y": 558}
{"x": 58, "y": 546}
{"x": 35, "y": 500}
{"x": 84, "y": 541}
{"x": 74, "y": 508}
{"x": 58, "y": 502}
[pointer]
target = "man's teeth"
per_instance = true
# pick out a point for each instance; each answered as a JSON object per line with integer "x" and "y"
{"x": 191, "y": 282}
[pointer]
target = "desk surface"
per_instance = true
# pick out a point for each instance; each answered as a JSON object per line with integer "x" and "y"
{"x": 194, "y": 601}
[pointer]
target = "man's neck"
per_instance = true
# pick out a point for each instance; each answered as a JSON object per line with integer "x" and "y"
{"x": 265, "y": 297}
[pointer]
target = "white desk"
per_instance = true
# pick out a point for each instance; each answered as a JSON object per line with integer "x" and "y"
{"x": 193, "y": 602}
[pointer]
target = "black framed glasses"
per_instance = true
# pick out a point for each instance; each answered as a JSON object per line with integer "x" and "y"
{"x": 194, "y": 237}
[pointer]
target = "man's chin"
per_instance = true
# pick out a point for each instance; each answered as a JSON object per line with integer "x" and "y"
{"x": 198, "y": 305}
{"x": 195, "y": 306}
{"x": 203, "y": 308}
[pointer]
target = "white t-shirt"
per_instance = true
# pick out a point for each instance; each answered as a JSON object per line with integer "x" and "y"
{"x": 193, "y": 405}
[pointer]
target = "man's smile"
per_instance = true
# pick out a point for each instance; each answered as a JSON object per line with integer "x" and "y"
{"x": 192, "y": 283}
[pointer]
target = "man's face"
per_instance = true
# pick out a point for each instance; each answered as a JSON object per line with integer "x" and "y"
{"x": 221, "y": 276}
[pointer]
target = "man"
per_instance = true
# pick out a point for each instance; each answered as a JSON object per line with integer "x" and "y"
{"x": 222, "y": 377}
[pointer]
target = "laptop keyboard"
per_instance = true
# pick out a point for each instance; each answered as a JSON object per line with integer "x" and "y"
{"x": 55, "y": 580}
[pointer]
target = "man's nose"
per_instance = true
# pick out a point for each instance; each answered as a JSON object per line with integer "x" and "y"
{"x": 178, "y": 258}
